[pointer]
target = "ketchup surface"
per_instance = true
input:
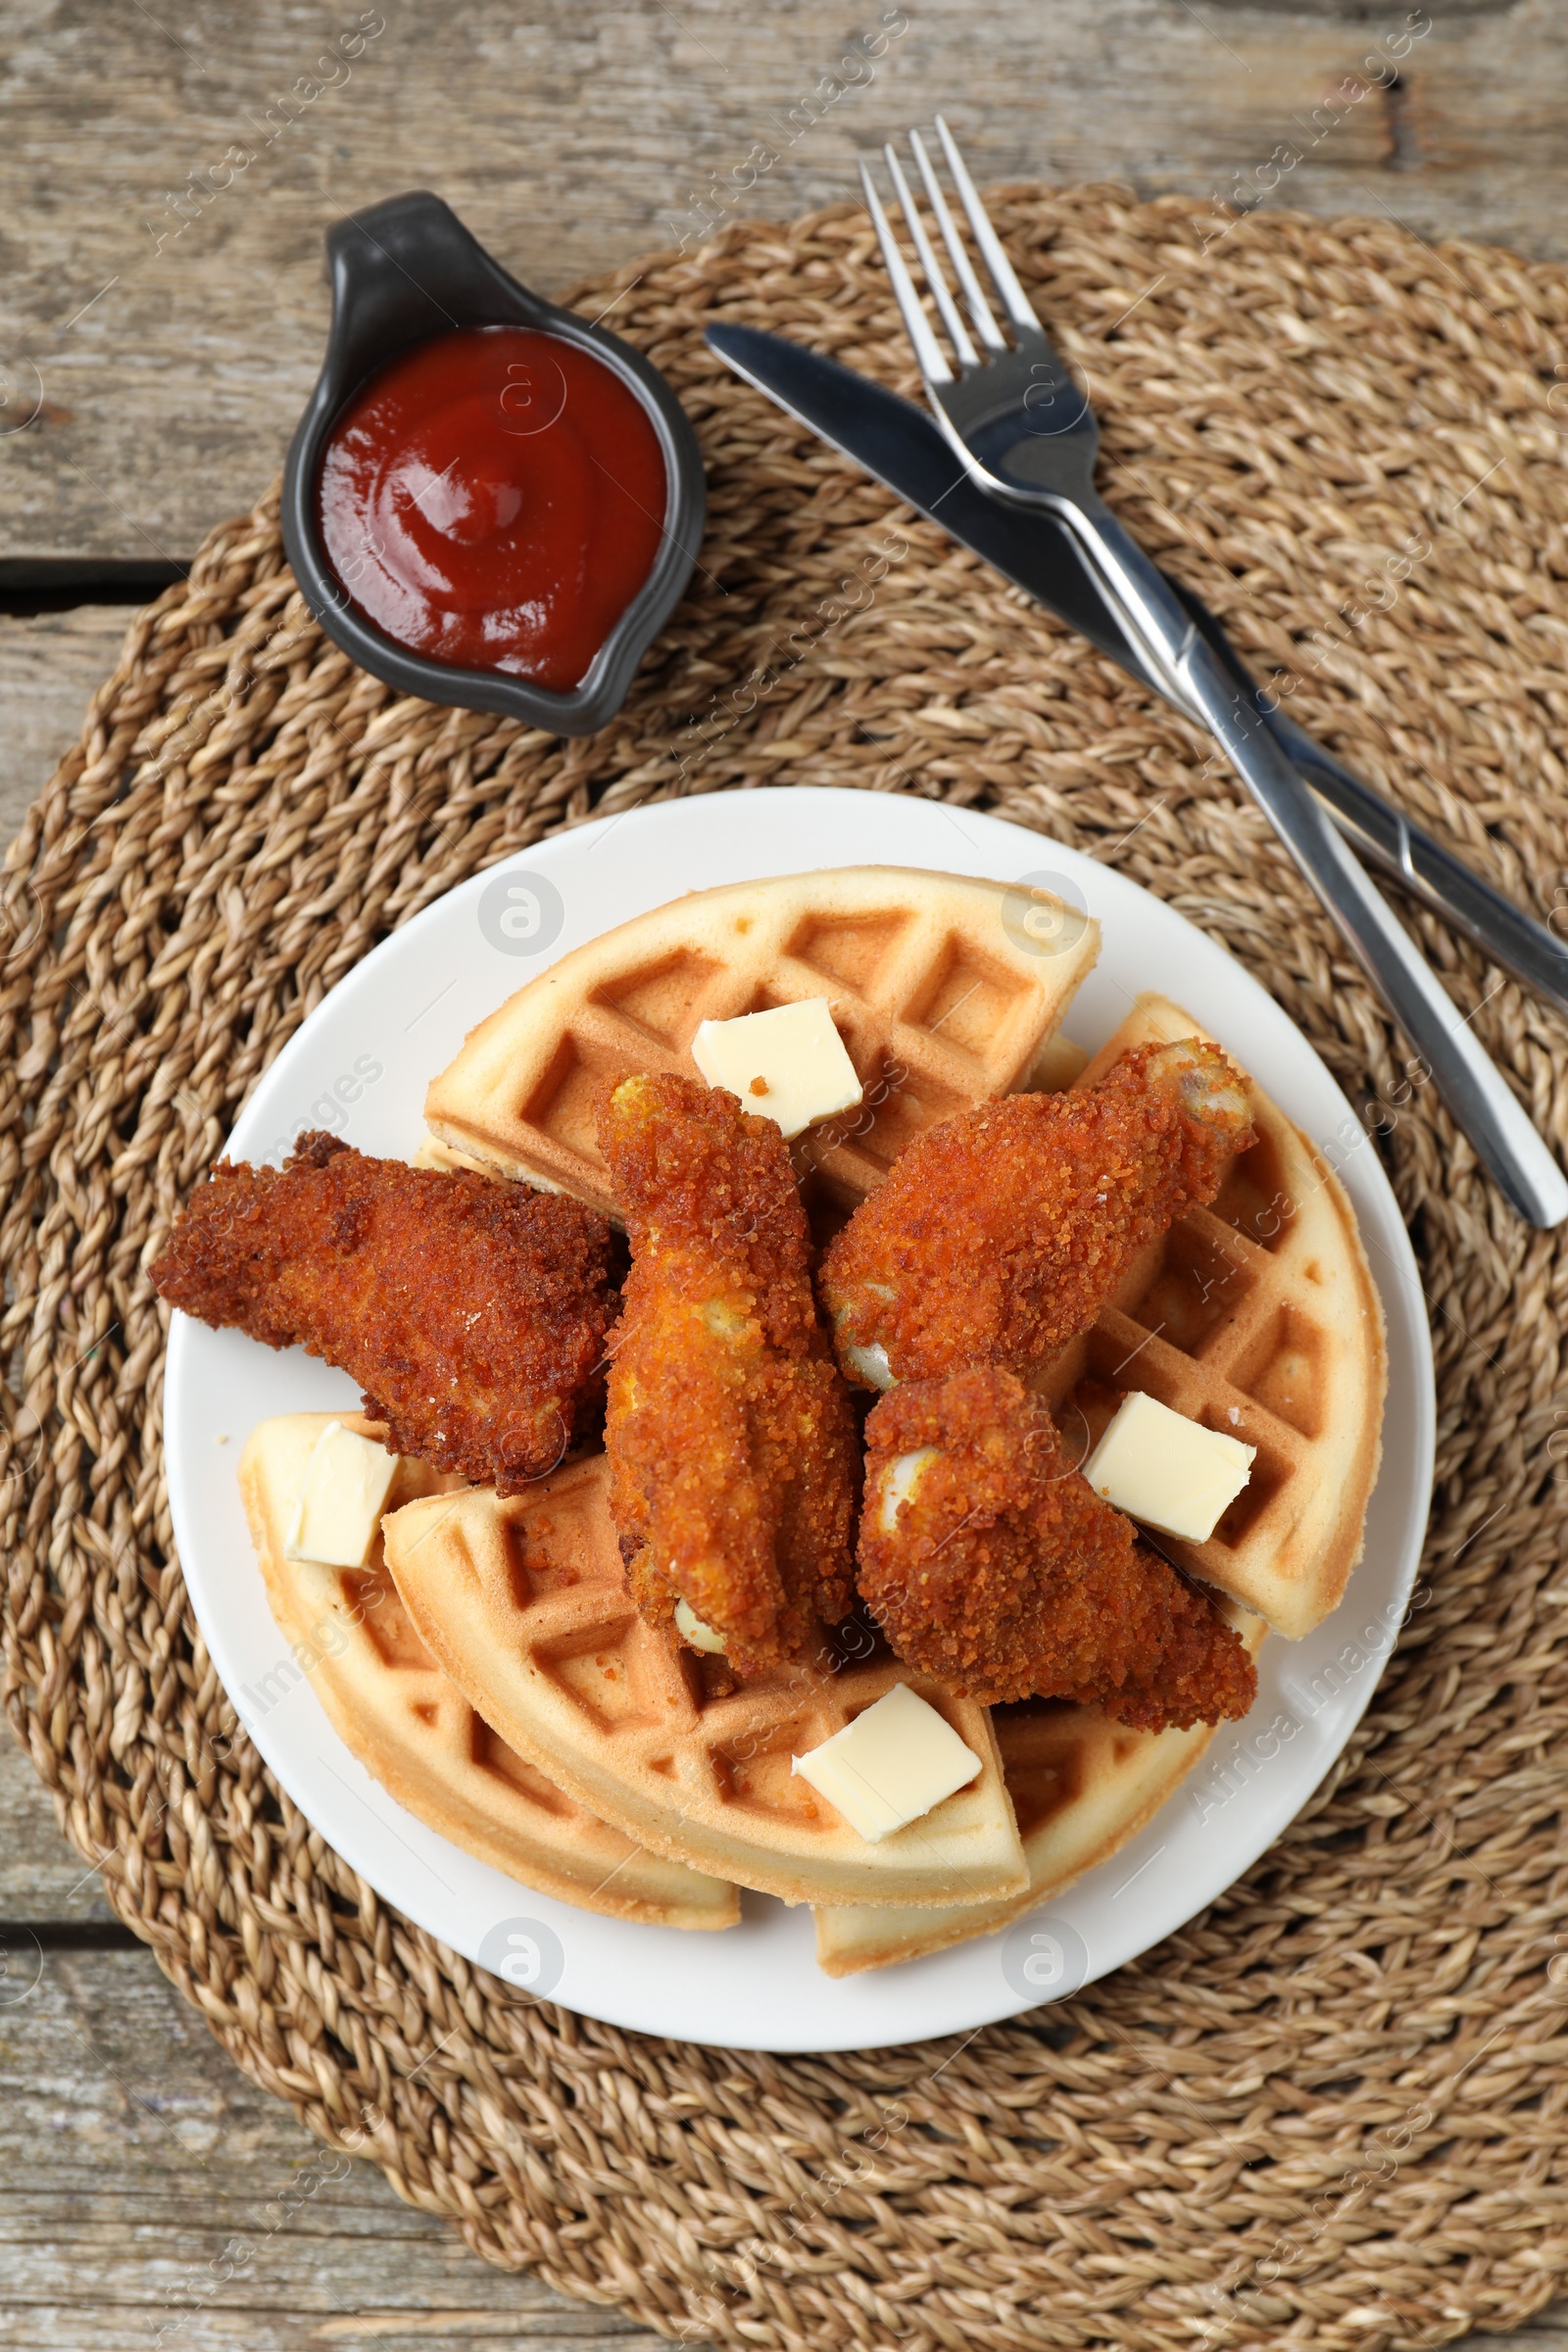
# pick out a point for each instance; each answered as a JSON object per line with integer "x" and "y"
{"x": 494, "y": 499}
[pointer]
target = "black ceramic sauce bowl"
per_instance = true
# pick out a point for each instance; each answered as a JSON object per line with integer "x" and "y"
{"x": 406, "y": 271}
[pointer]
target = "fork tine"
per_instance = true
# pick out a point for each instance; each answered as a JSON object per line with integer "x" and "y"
{"x": 990, "y": 333}
{"x": 1014, "y": 301}
{"x": 928, "y": 350}
{"x": 935, "y": 278}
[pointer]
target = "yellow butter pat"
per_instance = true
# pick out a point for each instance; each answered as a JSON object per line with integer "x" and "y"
{"x": 892, "y": 1763}
{"x": 346, "y": 1484}
{"x": 1168, "y": 1472}
{"x": 788, "y": 1065}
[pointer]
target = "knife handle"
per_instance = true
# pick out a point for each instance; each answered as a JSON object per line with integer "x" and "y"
{"x": 1465, "y": 1074}
{"x": 1392, "y": 841}
{"x": 1182, "y": 661}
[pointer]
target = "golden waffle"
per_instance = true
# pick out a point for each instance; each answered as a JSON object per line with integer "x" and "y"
{"x": 1081, "y": 1787}
{"x": 939, "y": 991}
{"x": 525, "y": 1603}
{"x": 1257, "y": 1317}
{"x": 408, "y": 1725}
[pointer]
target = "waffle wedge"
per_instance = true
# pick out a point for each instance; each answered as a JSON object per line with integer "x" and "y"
{"x": 525, "y": 1603}
{"x": 408, "y": 1726}
{"x": 1257, "y": 1317}
{"x": 945, "y": 990}
{"x": 1081, "y": 1787}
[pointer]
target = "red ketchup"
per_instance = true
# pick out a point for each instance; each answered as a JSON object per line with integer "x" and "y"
{"x": 494, "y": 500}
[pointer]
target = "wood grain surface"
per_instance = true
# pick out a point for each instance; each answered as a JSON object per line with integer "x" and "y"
{"x": 168, "y": 173}
{"x": 136, "y": 2163}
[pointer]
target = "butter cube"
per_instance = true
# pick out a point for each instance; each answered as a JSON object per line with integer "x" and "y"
{"x": 889, "y": 1766}
{"x": 347, "y": 1481}
{"x": 787, "y": 1064}
{"x": 1167, "y": 1471}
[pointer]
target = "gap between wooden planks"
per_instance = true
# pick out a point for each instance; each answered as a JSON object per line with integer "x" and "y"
{"x": 163, "y": 303}
{"x": 135, "y": 2157}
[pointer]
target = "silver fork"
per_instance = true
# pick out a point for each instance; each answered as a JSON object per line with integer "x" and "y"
{"x": 1024, "y": 431}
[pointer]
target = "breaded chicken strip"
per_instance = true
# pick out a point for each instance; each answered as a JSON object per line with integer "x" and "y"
{"x": 730, "y": 1432}
{"x": 1000, "y": 1234}
{"x": 989, "y": 1561}
{"x": 473, "y": 1316}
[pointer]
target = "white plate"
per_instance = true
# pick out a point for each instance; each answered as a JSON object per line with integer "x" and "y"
{"x": 359, "y": 1065}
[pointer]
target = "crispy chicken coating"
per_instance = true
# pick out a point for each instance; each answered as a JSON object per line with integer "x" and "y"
{"x": 730, "y": 1432}
{"x": 1000, "y": 1234}
{"x": 989, "y": 1561}
{"x": 473, "y": 1314}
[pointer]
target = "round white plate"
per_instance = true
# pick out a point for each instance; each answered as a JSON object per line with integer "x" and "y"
{"x": 359, "y": 1066}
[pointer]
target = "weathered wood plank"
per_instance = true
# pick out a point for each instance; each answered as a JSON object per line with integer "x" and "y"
{"x": 135, "y": 2152}
{"x": 137, "y": 2160}
{"x": 167, "y": 175}
{"x": 49, "y": 667}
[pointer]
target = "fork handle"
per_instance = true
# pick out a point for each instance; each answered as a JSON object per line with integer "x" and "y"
{"x": 1184, "y": 664}
{"x": 1385, "y": 836}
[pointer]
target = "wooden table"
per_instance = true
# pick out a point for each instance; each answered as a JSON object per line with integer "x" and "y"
{"x": 160, "y": 322}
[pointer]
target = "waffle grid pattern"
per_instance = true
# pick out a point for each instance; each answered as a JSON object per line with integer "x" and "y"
{"x": 524, "y": 1603}
{"x": 1277, "y": 1342}
{"x": 936, "y": 1004}
{"x": 412, "y": 1727}
{"x": 1080, "y": 1785}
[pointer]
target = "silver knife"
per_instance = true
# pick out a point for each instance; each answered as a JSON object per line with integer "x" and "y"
{"x": 894, "y": 442}
{"x": 897, "y": 443}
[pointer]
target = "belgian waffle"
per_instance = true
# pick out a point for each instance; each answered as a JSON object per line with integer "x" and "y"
{"x": 940, "y": 988}
{"x": 1081, "y": 1787}
{"x": 1257, "y": 1317}
{"x": 410, "y": 1728}
{"x": 525, "y": 1603}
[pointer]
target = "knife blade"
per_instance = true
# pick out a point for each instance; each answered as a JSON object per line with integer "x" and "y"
{"x": 896, "y": 442}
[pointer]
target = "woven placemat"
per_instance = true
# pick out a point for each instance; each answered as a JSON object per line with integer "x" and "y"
{"x": 1332, "y": 2109}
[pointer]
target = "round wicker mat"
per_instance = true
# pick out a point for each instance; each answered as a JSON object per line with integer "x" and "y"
{"x": 1332, "y": 2110}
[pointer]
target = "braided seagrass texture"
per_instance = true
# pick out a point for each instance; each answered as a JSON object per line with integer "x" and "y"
{"x": 1332, "y": 2110}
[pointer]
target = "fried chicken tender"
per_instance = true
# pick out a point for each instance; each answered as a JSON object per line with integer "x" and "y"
{"x": 473, "y": 1314}
{"x": 730, "y": 1432}
{"x": 1000, "y": 1234}
{"x": 989, "y": 1561}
